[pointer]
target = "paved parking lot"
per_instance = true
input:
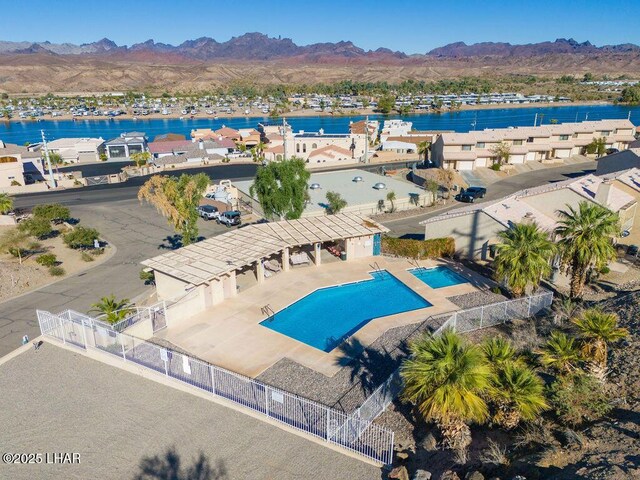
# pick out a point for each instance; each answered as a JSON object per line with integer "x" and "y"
{"x": 137, "y": 231}
{"x": 60, "y": 401}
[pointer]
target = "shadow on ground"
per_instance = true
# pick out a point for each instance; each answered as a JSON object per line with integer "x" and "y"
{"x": 168, "y": 466}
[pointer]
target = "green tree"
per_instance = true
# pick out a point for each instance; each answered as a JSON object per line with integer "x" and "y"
{"x": 499, "y": 352}
{"x": 597, "y": 146}
{"x": 112, "y": 309}
{"x": 53, "y": 212}
{"x": 560, "y": 352}
{"x": 423, "y": 150}
{"x": 391, "y": 197}
{"x": 598, "y": 329}
{"x": 335, "y": 202}
{"x": 14, "y": 241}
{"x": 281, "y": 188}
{"x": 81, "y": 237}
{"x": 6, "y": 203}
{"x": 140, "y": 158}
{"x": 518, "y": 393}
{"x": 585, "y": 241}
{"x": 432, "y": 186}
{"x": 386, "y": 104}
{"x": 36, "y": 227}
{"x": 631, "y": 95}
{"x": 523, "y": 257}
{"x": 502, "y": 151}
{"x": 448, "y": 380}
{"x": 177, "y": 200}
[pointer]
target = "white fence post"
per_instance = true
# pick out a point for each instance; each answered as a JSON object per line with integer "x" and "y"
{"x": 266, "y": 401}
{"x": 213, "y": 379}
{"x": 84, "y": 333}
{"x": 481, "y": 315}
{"x": 64, "y": 341}
{"x": 124, "y": 356}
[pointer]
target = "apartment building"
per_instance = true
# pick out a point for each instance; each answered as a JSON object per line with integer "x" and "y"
{"x": 75, "y": 150}
{"x": 467, "y": 151}
{"x": 475, "y": 227}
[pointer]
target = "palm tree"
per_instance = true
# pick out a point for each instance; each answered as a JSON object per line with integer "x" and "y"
{"x": 498, "y": 352}
{"x": 523, "y": 257}
{"x": 6, "y": 203}
{"x": 391, "y": 196}
{"x": 585, "y": 241}
{"x": 447, "y": 379}
{"x": 423, "y": 150}
{"x": 598, "y": 329}
{"x": 140, "y": 158}
{"x": 56, "y": 160}
{"x": 518, "y": 393}
{"x": 113, "y": 310}
{"x": 560, "y": 353}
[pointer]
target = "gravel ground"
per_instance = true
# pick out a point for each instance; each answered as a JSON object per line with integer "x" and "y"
{"x": 60, "y": 401}
{"x": 476, "y": 299}
{"x": 365, "y": 369}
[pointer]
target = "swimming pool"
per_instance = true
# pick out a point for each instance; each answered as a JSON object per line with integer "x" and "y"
{"x": 438, "y": 277}
{"x": 324, "y": 318}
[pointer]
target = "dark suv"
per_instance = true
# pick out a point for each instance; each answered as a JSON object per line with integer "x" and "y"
{"x": 470, "y": 194}
{"x": 230, "y": 218}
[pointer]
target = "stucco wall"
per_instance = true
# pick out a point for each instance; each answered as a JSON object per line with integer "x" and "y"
{"x": 473, "y": 233}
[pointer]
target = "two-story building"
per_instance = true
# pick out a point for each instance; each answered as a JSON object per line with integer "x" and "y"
{"x": 128, "y": 143}
{"x": 467, "y": 151}
{"x": 19, "y": 165}
{"x": 76, "y": 150}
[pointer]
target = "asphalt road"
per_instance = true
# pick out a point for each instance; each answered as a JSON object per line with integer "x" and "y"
{"x": 139, "y": 232}
{"x": 496, "y": 190}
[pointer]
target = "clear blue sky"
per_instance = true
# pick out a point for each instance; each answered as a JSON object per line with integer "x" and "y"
{"x": 411, "y": 26}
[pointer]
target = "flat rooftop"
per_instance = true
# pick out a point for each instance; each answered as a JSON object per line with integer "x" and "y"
{"x": 56, "y": 400}
{"x": 355, "y": 193}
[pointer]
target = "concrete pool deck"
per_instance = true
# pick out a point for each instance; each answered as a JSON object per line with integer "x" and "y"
{"x": 230, "y": 335}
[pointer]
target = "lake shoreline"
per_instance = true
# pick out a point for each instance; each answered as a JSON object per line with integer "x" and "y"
{"x": 307, "y": 113}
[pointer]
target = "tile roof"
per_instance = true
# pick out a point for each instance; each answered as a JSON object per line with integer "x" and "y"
{"x": 203, "y": 261}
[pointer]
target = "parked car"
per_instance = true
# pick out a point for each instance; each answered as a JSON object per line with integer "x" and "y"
{"x": 476, "y": 192}
{"x": 465, "y": 197}
{"x": 611, "y": 151}
{"x": 230, "y": 218}
{"x": 208, "y": 212}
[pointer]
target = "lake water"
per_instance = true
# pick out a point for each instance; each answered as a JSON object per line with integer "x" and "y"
{"x": 462, "y": 121}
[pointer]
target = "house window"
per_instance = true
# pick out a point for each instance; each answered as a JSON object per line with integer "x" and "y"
{"x": 304, "y": 148}
{"x": 530, "y": 140}
{"x": 517, "y": 142}
{"x": 314, "y": 146}
{"x": 298, "y": 148}
{"x": 466, "y": 148}
{"x": 564, "y": 137}
{"x": 605, "y": 133}
{"x": 480, "y": 145}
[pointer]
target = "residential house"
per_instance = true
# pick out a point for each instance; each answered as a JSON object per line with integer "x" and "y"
{"x": 159, "y": 149}
{"x": 475, "y": 227}
{"x": 122, "y": 147}
{"x": 19, "y": 165}
{"x": 75, "y": 150}
{"x": 618, "y": 162}
{"x": 467, "y": 151}
{"x": 358, "y": 128}
{"x": 394, "y": 128}
{"x": 169, "y": 137}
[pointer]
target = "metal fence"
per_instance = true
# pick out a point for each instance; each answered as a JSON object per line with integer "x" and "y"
{"x": 155, "y": 313}
{"x": 347, "y": 431}
{"x": 461, "y": 321}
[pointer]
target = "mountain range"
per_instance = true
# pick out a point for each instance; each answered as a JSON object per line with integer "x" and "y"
{"x": 257, "y": 46}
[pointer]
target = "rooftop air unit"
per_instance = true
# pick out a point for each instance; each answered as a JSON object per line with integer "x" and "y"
{"x": 379, "y": 186}
{"x": 357, "y": 179}
{"x": 314, "y": 186}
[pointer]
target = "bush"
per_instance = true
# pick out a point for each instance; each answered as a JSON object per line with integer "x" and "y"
{"x": 86, "y": 257}
{"x": 495, "y": 166}
{"x": 56, "y": 271}
{"x": 54, "y": 212}
{"x": 604, "y": 270}
{"x": 579, "y": 398}
{"x": 36, "y": 227}
{"x": 419, "y": 249}
{"x": 15, "y": 183}
{"x": 97, "y": 251}
{"x": 148, "y": 277}
{"x": 81, "y": 237}
{"x": 47, "y": 260}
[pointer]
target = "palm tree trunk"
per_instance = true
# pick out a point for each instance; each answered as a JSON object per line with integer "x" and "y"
{"x": 577, "y": 279}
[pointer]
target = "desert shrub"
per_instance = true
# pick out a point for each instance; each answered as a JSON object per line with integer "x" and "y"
{"x": 15, "y": 183}
{"x": 34, "y": 245}
{"x": 604, "y": 270}
{"x": 81, "y": 237}
{"x": 54, "y": 212}
{"x": 579, "y": 398}
{"x": 86, "y": 257}
{"x": 36, "y": 227}
{"x": 56, "y": 271}
{"x": 97, "y": 251}
{"x": 495, "y": 166}
{"x": 419, "y": 249}
{"x": 148, "y": 277}
{"x": 47, "y": 260}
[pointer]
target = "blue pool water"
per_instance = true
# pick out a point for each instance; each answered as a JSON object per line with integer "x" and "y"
{"x": 438, "y": 277}
{"x": 324, "y": 318}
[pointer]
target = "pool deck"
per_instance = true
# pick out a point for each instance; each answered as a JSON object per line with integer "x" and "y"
{"x": 230, "y": 335}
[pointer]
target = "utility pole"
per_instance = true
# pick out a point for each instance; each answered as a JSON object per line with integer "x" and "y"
{"x": 535, "y": 120}
{"x": 284, "y": 137}
{"x": 46, "y": 155}
{"x": 629, "y": 115}
{"x": 586, "y": 117}
{"x": 366, "y": 139}
{"x": 475, "y": 121}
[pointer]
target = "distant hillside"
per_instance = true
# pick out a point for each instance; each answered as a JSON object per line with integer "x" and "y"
{"x": 257, "y": 46}
{"x": 198, "y": 64}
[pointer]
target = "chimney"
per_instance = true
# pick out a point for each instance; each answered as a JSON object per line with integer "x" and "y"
{"x": 201, "y": 144}
{"x": 603, "y": 194}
